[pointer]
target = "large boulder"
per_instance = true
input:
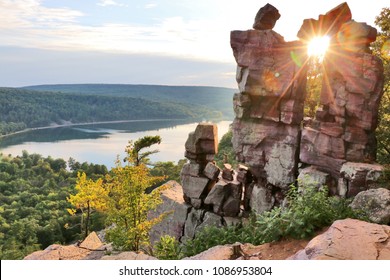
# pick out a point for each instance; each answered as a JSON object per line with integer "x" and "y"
{"x": 59, "y": 252}
{"x": 220, "y": 252}
{"x": 92, "y": 242}
{"x": 261, "y": 199}
{"x": 328, "y": 24}
{"x": 204, "y": 140}
{"x": 376, "y": 203}
{"x": 349, "y": 240}
{"x": 173, "y": 202}
{"x": 90, "y": 246}
{"x": 356, "y": 36}
{"x": 131, "y": 256}
{"x": 266, "y": 17}
{"x": 356, "y": 177}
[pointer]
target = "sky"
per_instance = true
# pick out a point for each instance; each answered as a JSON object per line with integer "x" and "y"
{"x": 170, "y": 42}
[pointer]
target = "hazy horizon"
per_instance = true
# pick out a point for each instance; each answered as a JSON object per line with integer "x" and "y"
{"x": 162, "y": 42}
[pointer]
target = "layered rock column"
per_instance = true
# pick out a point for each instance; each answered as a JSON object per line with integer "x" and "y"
{"x": 205, "y": 186}
{"x": 201, "y": 146}
{"x": 271, "y": 78}
{"x": 343, "y": 131}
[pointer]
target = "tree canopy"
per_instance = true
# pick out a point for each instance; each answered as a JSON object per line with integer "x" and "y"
{"x": 381, "y": 48}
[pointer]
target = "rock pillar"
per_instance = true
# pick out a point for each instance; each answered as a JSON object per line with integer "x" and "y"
{"x": 271, "y": 77}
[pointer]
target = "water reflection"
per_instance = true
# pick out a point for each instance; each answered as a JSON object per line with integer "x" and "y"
{"x": 101, "y": 143}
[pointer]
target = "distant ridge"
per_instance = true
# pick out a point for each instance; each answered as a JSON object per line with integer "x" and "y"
{"x": 53, "y": 105}
{"x": 214, "y": 98}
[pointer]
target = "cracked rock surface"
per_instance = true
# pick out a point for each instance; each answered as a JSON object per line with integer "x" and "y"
{"x": 349, "y": 239}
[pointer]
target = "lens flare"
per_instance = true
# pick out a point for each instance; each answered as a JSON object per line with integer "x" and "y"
{"x": 318, "y": 46}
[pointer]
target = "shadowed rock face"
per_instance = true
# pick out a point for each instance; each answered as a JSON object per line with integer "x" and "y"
{"x": 266, "y": 18}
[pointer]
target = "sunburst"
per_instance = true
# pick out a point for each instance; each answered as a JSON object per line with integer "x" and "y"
{"x": 318, "y": 46}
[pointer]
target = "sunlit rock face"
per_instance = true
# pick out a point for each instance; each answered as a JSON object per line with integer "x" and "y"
{"x": 269, "y": 134}
{"x": 328, "y": 24}
{"x": 271, "y": 77}
{"x": 343, "y": 130}
{"x": 271, "y": 138}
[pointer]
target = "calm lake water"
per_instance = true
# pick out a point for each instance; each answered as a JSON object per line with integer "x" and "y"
{"x": 101, "y": 143}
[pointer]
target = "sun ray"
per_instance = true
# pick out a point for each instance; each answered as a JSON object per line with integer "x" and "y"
{"x": 318, "y": 46}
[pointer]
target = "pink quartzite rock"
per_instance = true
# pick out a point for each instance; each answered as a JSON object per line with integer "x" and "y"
{"x": 349, "y": 240}
{"x": 271, "y": 79}
{"x": 211, "y": 171}
{"x": 204, "y": 140}
{"x": 200, "y": 174}
{"x": 328, "y": 24}
{"x": 268, "y": 148}
{"x": 356, "y": 177}
{"x": 266, "y": 17}
{"x": 70, "y": 252}
{"x": 344, "y": 128}
{"x": 356, "y": 36}
{"x": 173, "y": 224}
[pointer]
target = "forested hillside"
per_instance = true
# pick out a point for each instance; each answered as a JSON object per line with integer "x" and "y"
{"x": 22, "y": 109}
{"x": 33, "y": 211}
{"x": 214, "y": 98}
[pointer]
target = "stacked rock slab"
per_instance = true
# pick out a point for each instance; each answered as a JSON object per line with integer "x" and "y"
{"x": 343, "y": 131}
{"x": 205, "y": 187}
{"x": 201, "y": 146}
{"x": 271, "y": 78}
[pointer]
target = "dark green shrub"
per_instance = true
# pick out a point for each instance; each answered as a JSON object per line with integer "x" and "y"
{"x": 309, "y": 209}
{"x": 167, "y": 248}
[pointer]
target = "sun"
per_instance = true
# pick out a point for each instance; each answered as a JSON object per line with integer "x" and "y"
{"x": 318, "y": 46}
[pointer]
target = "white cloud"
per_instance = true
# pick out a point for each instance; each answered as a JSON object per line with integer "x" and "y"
{"x": 28, "y": 23}
{"x": 151, "y": 5}
{"x": 105, "y": 3}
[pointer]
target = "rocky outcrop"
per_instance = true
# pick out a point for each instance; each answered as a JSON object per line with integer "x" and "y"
{"x": 131, "y": 256}
{"x": 220, "y": 252}
{"x": 342, "y": 133}
{"x": 266, "y": 18}
{"x": 344, "y": 127}
{"x": 338, "y": 146}
{"x": 269, "y": 106}
{"x": 270, "y": 135}
{"x": 200, "y": 148}
{"x": 205, "y": 186}
{"x": 349, "y": 240}
{"x": 356, "y": 177}
{"x": 84, "y": 250}
{"x": 328, "y": 24}
{"x": 375, "y": 203}
{"x": 279, "y": 250}
{"x": 174, "y": 204}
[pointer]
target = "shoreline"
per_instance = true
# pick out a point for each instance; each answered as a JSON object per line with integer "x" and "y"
{"x": 81, "y": 124}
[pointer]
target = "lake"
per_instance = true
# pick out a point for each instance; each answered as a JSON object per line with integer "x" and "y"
{"x": 101, "y": 143}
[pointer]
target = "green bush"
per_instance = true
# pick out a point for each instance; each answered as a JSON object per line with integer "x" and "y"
{"x": 167, "y": 248}
{"x": 225, "y": 150}
{"x": 309, "y": 209}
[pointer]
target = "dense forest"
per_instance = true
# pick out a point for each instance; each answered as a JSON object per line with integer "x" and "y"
{"x": 29, "y": 109}
{"x": 33, "y": 211}
{"x": 214, "y": 98}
